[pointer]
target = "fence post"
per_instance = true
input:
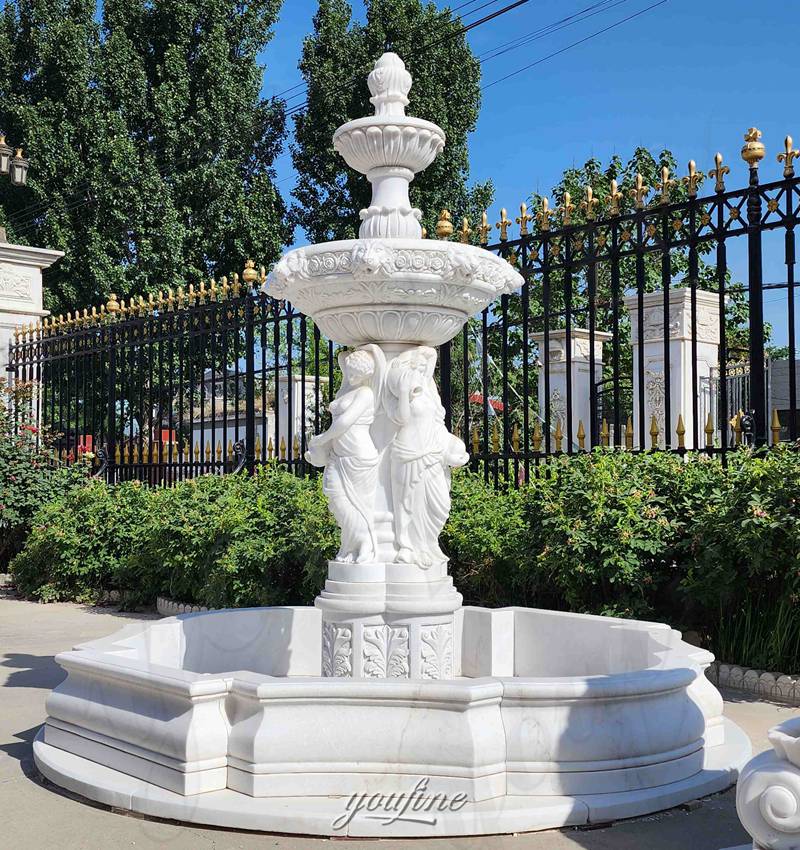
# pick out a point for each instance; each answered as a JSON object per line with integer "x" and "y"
{"x": 250, "y": 382}
{"x": 752, "y": 154}
{"x": 111, "y": 468}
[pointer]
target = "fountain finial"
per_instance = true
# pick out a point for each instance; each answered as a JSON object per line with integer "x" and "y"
{"x": 389, "y": 84}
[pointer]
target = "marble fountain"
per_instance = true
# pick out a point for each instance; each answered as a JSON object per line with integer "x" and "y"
{"x": 388, "y": 708}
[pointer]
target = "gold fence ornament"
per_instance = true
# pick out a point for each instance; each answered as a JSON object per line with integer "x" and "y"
{"x": 444, "y": 226}
{"x": 537, "y": 436}
{"x": 614, "y": 199}
{"x": 484, "y": 229}
{"x": 787, "y": 157}
{"x": 581, "y": 435}
{"x": 523, "y": 219}
{"x": 753, "y": 149}
{"x": 629, "y": 433}
{"x": 693, "y": 179}
{"x": 464, "y": 232}
{"x": 775, "y": 427}
{"x": 503, "y": 225}
{"x": 709, "y": 431}
{"x": 654, "y": 432}
{"x": 605, "y": 433}
{"x": 589, "y": 203}
{"x": 680, "y": 430}
{"x": 639, "y": 191}
{"x": 718, "y": 173}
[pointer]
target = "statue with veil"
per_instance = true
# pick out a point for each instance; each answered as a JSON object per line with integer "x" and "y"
{"x": 422, "y": 455}
{"x": 349, "y": 455}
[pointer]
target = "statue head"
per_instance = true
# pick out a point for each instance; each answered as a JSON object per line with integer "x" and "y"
{"x": 359, "y": 367}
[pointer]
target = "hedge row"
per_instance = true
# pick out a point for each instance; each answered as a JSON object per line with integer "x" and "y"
{"x": 687, "y": 541}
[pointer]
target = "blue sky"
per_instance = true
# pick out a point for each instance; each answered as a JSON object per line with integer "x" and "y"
{"x": 690, "y": 75}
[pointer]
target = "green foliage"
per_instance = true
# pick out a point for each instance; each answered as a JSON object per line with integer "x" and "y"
{"x": 151, "y": 147}
{"x": 29, "y": 474}
{"x": 335, "y": 61}
{"x": 655, "y": 536}
{"x": 78, "y": 541}
{"x": 214, "y": 541}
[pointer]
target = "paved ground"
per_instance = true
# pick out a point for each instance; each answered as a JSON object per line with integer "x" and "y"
{"x": 36, "y": 816}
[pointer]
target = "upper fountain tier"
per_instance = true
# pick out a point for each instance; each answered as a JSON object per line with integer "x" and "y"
{"x": 390, "y": 285}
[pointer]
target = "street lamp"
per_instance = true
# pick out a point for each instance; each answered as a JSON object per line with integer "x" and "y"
{"x": 15, "y": 166}
{"x": 19, "y": 168}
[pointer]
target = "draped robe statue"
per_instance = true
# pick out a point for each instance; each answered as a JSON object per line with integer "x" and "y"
{"x": 349, "y": 455}
{"x": 422, "y": 454}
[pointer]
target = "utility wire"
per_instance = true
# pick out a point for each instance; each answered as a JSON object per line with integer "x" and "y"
{"x": 574, "y": 44}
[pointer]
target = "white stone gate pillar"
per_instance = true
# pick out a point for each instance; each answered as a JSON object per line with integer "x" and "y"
{"x": 681, "y": 389}
{"x": 20, "y": 290}
{"x": 579, "y": 375}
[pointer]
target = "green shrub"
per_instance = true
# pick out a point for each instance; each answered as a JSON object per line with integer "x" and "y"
{"x": 79, "y": 539}
{"x": 30, "y": 475}
{"x": 232, "y": 541}
{"x": 652, "y": 535}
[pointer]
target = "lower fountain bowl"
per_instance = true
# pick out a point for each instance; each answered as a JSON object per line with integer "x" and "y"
{"x": 551, "y": 719}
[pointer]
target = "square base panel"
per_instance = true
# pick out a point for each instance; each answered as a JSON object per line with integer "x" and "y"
{"x": 318, "y": 816}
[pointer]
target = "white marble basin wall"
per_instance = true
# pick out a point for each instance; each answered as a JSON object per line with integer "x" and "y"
{"x": 235, "y": 699}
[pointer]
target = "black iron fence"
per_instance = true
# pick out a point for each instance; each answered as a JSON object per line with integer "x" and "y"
{"x": 633, "y": 330}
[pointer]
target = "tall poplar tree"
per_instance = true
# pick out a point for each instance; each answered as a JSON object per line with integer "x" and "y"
{"x": 335, "y": 61}
{"x": 151, "y": 147}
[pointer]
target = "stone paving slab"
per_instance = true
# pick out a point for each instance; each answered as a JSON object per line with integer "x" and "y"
{"x": 37, "y": 815}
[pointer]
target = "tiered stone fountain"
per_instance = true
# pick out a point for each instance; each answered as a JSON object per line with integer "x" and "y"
{"x": 488, "y": 720}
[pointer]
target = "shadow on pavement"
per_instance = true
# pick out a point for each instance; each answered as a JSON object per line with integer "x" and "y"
{"x": 32, "y": 671}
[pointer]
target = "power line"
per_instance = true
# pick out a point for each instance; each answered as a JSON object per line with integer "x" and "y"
{"x": 486, "y": 19}
{"x": 574, "y": 44}
{"x": 442, "y": 15}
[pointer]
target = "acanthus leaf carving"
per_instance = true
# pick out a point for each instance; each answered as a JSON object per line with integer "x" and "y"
{"x": 336, "y": 650}
{"x": 385, "y": 652}
{"x": 437, "y": 651}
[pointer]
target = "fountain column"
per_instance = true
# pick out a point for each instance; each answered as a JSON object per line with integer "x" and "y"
{"x": 389, "y": 605}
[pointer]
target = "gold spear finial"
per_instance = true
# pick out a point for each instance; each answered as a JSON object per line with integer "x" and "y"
{"x": 537, "y": 436}
{"x": 787, "y": 157}
{"x": 775, "y": 427}
{"x": 464, "y": 231}
{"x": 543, "y": 215}
{"x": 515, "y": 439}
{"x": 629, "y": 433}
{"x": 654, "y": 431}
{"x": 665, "y": 186}
{"x": 112, "y": 305}
{"x": 709, "y": 429}
{"x": 523, "y": 219}
{"x": 503, "y": 224}
{"x": 680, "y": 430}
{"x": 566, "y": 210}
{"x": 693, "y": 179}
{"x": 605, "y": 433}
{"x": 476, "y": 446}
{"x": 753, "y": 150}
{"x": 444, "y": 225}
{"x": 639, "y": 191}
{"x": 614, "y": 198}
{"x": 485, "y": 228}
{"x": 589, "y": 203}
{"x": 495, "y": 438}
{"x": 719, "y": 172}
{"x": 558, "y": 435}
{"x": 581, "y": 435}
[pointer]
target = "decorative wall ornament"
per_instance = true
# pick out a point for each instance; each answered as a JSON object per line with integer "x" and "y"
{"x": 655, "y": 392}
{"x": 385, "y": 652}
{"x": 336, "y": 650}
{"x": 437, "y": 651}
{"x": 14, "y": 285}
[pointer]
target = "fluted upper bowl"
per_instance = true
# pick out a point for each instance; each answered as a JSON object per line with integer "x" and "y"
{"x": 417, "y": 291}
{"x": 393, "y": 141}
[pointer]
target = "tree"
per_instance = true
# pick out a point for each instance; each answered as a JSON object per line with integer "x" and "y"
{"x": 335, "y": 61}
{"x": 151, "y": 145}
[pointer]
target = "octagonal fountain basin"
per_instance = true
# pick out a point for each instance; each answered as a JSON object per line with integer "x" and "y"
{"x": 550, "y": 719}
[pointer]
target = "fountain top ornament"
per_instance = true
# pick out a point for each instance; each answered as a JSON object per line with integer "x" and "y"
{"x": 390, "y": 285}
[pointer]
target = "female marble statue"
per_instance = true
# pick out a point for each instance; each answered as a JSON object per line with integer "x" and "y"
{"x": 423, "y": 452}
{"x": 349, "y": 456}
